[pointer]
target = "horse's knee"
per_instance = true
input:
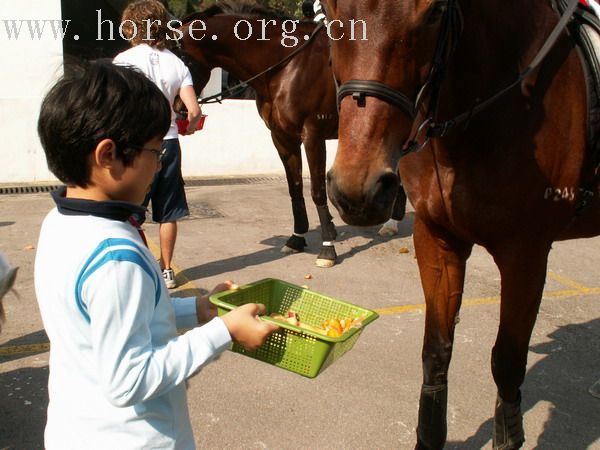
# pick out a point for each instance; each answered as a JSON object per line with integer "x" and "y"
{"x": 508, "y": 433}
{"x": 436, "y": 361}
{"x": 432, "y": 428}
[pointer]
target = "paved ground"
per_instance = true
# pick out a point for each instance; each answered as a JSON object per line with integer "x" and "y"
{"x": 366, "y": 400}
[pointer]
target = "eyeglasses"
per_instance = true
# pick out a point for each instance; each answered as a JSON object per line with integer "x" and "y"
{"x": 159, "y": 153}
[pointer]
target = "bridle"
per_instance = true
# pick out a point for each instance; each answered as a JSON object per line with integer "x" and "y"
{"x": 230, "y": 91}
{"x": 450, "y": 31}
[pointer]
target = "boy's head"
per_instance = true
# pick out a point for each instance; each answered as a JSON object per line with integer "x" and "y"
{"x": 145, "y": 22}
{"x": 96, "y": 102}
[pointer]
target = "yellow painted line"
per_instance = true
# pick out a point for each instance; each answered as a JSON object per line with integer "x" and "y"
{"x": 421, "y": 307}
{"x": 29, "y": 348}
{"x": 490, "y": 300}
{"x": 567, "y": 282}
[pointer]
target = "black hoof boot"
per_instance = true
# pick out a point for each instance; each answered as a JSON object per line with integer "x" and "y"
{"x": 431, "y": 431}
{"x": 327, "y": 256}
{"x": 508, "y": 425}
{"x": 295, "y": 244}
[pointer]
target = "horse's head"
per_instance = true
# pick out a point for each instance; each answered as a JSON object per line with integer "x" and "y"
{"x": 189, "y": 50}
{"x": 391, "y": 43}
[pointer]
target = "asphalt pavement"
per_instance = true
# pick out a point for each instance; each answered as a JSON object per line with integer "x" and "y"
{"x": 368, "y": 399}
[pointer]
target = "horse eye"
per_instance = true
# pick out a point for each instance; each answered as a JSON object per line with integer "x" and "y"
{"x": 436, "y": 11}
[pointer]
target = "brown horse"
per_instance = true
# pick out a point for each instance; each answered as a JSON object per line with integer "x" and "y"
{"x": 296, "y": 99}
{"x": 512, "y": 174}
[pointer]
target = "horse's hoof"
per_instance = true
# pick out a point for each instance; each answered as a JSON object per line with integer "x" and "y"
{"x": 289, "y": 250}
{"x": 294, "y": 244}
{"x": 387, "y": 232}
{"x": 508, "y": 431}
{"x": 390, "y": 228}
{"x": 327, "y": 256}
{"x": 325, "y": 263}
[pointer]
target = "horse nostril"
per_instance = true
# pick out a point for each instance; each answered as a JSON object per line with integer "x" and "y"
{"x": 384, "y": 190}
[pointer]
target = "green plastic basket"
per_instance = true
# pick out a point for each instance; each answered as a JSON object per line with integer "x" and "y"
{"x": 293, "y": 348}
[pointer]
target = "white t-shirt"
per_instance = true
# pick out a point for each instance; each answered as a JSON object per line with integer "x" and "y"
{"x": 163, "y": 67}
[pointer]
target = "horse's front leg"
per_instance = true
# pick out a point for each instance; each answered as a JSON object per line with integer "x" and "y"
{"x": 523, "y": 273}
{"x": 442, "y": 260}
{"x": 316, "y": 155}
{"x": 290, "y": 154}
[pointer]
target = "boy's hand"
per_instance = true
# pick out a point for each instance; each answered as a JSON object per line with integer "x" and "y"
{"x": 205, "y": 310}
{"x": 246, "y": 328}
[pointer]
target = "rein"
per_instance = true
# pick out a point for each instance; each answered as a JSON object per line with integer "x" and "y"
{"x": 451, "y": 28}
{"x": 217, "y": 98}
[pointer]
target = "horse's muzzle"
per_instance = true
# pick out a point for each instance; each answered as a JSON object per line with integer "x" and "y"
{"x": 371, "y": 206}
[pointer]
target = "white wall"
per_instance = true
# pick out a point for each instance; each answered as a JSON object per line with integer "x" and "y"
{"x": 29, "y": 67}
{"x": 234, "y": 141}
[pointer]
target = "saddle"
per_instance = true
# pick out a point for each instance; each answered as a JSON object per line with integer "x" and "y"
{"x": 585, "y": 30}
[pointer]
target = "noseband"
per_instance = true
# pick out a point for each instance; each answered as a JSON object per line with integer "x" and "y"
{"x": 361, "y": 89}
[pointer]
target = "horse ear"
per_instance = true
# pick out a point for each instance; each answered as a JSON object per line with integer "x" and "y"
{"x": 436, "y": 11}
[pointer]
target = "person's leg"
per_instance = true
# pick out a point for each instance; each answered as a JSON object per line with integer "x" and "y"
{"x": 169, "y": 204}
{"x": 168, "y": 236}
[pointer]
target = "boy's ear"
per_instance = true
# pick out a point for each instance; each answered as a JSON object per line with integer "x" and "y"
{"x": 105, "y": 154}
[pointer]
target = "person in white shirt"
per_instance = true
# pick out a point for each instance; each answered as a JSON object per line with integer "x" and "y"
{"x": 117, "y": 365}
{"x": 144, "y": 24}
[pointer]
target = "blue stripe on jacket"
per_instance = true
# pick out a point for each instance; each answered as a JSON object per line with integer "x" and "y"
{"x": 134, "y": 256}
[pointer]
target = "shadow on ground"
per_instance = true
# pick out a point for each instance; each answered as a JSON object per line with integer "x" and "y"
{"x": 313, "y": 238}
{"x": 562, "y": 379}
{"x": 24, "y": 395}
{"x": 33, "y": 339}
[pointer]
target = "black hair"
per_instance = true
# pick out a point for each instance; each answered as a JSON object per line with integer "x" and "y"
{"x": 95, "y": 101}
{"x": 307, "y": 9}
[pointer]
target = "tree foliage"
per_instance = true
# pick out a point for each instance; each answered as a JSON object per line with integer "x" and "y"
{"x": 180, "y": 8}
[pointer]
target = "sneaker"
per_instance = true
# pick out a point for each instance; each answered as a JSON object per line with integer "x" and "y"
{"x": 169, "y": 277}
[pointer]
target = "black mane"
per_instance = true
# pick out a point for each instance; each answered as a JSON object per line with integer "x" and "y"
{"x": 235, "y": 7}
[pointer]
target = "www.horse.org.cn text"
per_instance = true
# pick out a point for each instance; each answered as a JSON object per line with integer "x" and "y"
{"x": 243, "y": 30}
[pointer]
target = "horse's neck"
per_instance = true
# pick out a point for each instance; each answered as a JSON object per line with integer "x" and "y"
{"x": 244, "y": 58}
{"x": 499, "y": 39}
{"x": 498, "y": 31}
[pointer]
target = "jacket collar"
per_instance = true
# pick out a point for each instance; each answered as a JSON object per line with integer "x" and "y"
{"x": 111, "y": 209}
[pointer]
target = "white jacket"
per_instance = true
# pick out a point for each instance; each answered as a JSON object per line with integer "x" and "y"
{"x": 117, "y": 366}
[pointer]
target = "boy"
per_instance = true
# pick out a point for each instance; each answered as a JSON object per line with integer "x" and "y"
{"x": 117, "y": 366}
{"x": 145, "y": 25}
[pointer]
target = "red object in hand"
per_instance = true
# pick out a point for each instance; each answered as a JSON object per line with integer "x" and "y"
{"x": 182, "y": 125}
{"x": 201, "y": 122}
